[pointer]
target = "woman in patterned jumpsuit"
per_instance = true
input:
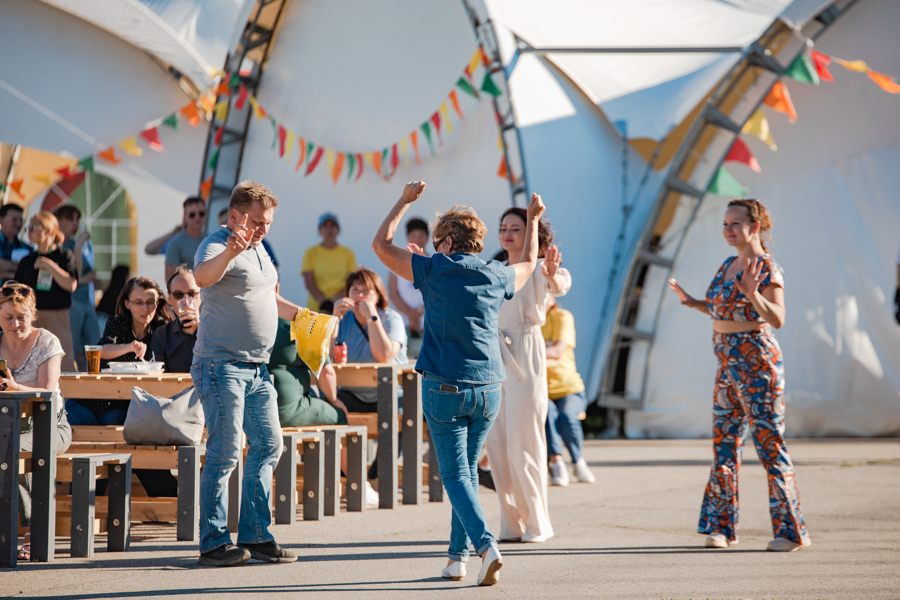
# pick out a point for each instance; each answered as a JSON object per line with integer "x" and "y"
{"x": 746, "y": 300}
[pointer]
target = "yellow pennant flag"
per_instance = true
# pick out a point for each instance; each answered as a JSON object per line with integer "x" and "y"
{"x": 446, "y": 114}
{"x": 207, "y": 102}
{"x": 499, "y": 141}
{"x": 473, "y": 62}
{"x": 258, "y": 112}
{"x": 130, "y": 146}
{"x": 403, "y": 152}
{"x": 221, "y": 110}
{"x": 758, "y": 125}
{"x": 289, "y": 140}
{"x": 43, "y": 178}
{"x": 329, "y": 159}
{"x": 859, "y": 66}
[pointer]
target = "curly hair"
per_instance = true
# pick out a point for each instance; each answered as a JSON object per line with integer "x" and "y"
{"x": 545, "y": 234}
{"x": 757, "y": 213}
{"x": 462, "y": 225}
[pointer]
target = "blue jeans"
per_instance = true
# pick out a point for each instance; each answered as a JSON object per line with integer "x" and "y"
{"x": 563, "y": 425}
{"x": 78, "y": 414}
{"x": 459, "y": 423}
{"x": 237, "y": 397}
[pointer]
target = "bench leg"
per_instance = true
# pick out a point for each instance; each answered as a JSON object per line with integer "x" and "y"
{"x": 43, "y": 488}
{"x": 119, "y": 519}
{"x": 286, "y": 483}
{"x": 84, "y": 478}
{"x": 188, "y": 518}
{"x": 412, "y": 438}
{"x": 356, "y": 472}
{"x": 332, "y": 473}
{"x": 313, "y": 480}
{"x": 387, "y": 438}
{"x": 435, "y": 483}
{"x": 234, "y": 494}
{"x": 9, "y": 481}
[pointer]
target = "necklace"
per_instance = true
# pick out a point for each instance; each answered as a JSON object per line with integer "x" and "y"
{"x": 18, "y": 359}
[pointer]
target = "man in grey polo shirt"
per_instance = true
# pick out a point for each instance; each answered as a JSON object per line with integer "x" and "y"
{"x": 238, "y": 323}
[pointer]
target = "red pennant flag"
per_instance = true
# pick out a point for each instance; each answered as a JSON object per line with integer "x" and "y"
{"x": 109, "y": 155}
{"x": 16, "y": 186}
{"x": 190, "y": 112}
{"x": 455, "y": 102}
{"x": 414, "y": 138}
{"x": 282, "y": 135}
{"x": 741, "y": 153}
{"x": 151, "y": 136}
{"x": 821, "y": 61}
{"x": 314, "y": 160}
{"x": 359, "y": 162}
{"x": 64, "y": 172}
{"x": 242, "y": 97}
{"x": 302, "y": 154}
{"x": 206, "y": 187}
{"x": 884, "y": 82}
{"x": 219, "y": 132}
{"x": 395, "y": 160}
{"x": 436, "y": 119}
{"x": 780, "y": 99}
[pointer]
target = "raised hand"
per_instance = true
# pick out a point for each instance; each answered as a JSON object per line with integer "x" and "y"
{"x": 415, "y": 249}
{"x": 536, "y": 207}
{"x": 552, "y": 260}
{"x": 686, "y": 299}
{"x": 412, "y": 191}
{"x": 240, "y": 238}
{"x": 342, "y": 306}
{"x": 751, "y": 277}
{"x": 368, "y": 309}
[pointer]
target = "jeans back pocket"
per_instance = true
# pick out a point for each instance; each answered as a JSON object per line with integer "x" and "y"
{"x": 492, "y": 398}
{"x": 446, "y": 407}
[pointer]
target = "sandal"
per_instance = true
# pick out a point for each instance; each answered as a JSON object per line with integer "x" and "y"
{"x": 24, "y": 552}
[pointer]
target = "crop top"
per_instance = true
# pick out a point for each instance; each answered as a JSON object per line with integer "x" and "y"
{"x": 725, "y": 300}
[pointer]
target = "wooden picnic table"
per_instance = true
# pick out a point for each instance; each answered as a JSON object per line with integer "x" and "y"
{"x": 41, "y": 407}
{"x": 108, "y": 386}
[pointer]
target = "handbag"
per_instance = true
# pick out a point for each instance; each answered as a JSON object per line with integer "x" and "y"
{"x": 155, "y": 421}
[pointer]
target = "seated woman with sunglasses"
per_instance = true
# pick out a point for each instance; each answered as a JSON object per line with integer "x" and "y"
{"x": 140, "y": 310}
{"x": 33, "y": 357}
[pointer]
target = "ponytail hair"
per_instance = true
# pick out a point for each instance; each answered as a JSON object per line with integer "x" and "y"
{"x": 757, "y": 213}
{"x": 51, "y": 226}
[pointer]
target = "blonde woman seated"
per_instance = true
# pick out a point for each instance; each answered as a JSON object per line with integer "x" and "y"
{"x": 33, "y": 357}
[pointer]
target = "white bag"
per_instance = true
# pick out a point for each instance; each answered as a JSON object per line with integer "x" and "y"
{"x": 154, "y": 421}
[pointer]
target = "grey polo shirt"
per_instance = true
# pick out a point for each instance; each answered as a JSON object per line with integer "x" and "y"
{"x": 238, "y": 314}
{"x": 181, "y": 249}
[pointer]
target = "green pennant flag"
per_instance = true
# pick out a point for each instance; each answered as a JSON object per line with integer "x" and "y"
{"x": 803, "y": 70}
{"x": 234, "y": 81}
{"x": 87, "y": 163}
{"x": 214, "y": 160}
{"x": 465, "y": 86}
{"x": 274, "y": 132}
{"x": 171, "y": 121}
{"x": 724, "y": 184}
{"x": 426, "y": 129}
{"x": 2, "y": 187}
{"x": 384, "y": 160}
{"x": 489, "y": 87}
{"x": 309, "y": 151}
{"x": 351, "y": 165}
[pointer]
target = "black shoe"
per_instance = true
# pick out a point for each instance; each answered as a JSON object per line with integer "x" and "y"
{"x": 485, "y": 478}
{"x": 224, "y": 556}
{"x": 270, "y": 552}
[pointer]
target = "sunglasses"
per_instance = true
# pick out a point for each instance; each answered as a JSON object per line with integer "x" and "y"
{"x": 31, "y": 228}
{"x": 201, "y": 213}
{"x": 180, "y": 295}
{"x": 9, "y": 291}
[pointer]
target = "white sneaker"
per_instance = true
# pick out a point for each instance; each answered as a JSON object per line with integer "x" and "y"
{"x": 716, "y": 540}
{"x": 490, "y": 566}
{"x": 455, "y": 571}
{"x": 371, "y": 496}
{"x": 559, "y": 474}
{"x": 785, "y": 545}
{"x": 583, "y": 472}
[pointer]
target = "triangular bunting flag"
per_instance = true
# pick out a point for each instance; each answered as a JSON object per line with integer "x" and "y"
{"x": 724, "y": 184}
{"x": 2, "y": 187}
{"x": 214, "y": 160}
{"x": 404, "y": 153}
{"x": 337, "y": 167}
{"x": 445, "y": 112}
{"x": 351, "y": 166}
{"x": 426, "y": 129}
{"x": 384, "y": 162}
{"x": 130, "y": 146}
{"x": 484, "y": 57}
{"x": 206, "y": 187}
{"x": 217, "y": 139}
{"x": 499, "y": 140}
{"x": 16, "y": 186}
{"x": 43, "y": 179}
{"x": 221, "y": 110}
{"x": 395, "y": 160}
{"x": 64, "y": 172}
{"x": 258, "y": 110}
{"x": 488, "y": 86}
{"x": 274, "y": 125}
{"x": 503, "y": 171}
{"x": 821, "y": 61}
{"x": 455, "y": 102}
{"x": 758, "y": 125}
{"x": 329, "y": 159}
{"x": 87, "y": 163}
{"x": 222, "y": 89}
{"x": 854, "y": 65}
{"x": 289, "y": 145}
{"x": 780, "y": 99}
{"x": 465, "y": 86}
{"x": 361, "y": 164}
{"x": 207, "y": 103}
{"x": 473, "y": 62}
{"x": 242, "y": 97}
{"x": 375, "y": 161}
{"x": 190, "y": 112}
{"x": 303, "y": 150}
{"x": 109, "y": 155}
{"x": 151, "y": 136}
{"x": 884, "y": 82}
{"x": 282, "y": 136}
{"x": 741, "y": 153}
{"x": 803, "y": 70}
{"x": 436, "y": 119}
{"x": 414, "y": 140}
{"x": 314, "y": 160}
{"x": 172, "y": 120}
{"x": 234, "y": 80}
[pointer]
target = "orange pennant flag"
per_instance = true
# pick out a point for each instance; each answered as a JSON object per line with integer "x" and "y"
{"x": 455, "y": 101}
{"x": 445, "y": 112}
{"x": 375, "y": 161}
{"x": 223, "y": 85}
{"x": 484, "y": 57}
{"x": 109, "y": 155}
{"x": 130, "y": 146}
{"x": 302, "y": 154}
{"x": 16, "y": 186}
{"x": 414, "y": 138}
{"x": 884, "y": 82}
{"x": 189, "y": 112}
{"x": 859, "y": 66}
{"x": 258, "y": 111}
{"x": 206, "y": 187}
{"x": 780, "y": 99}
{"x": 503, "y": 171}
{"x": 337, "y": 167}
{"x": 207, "y": 102}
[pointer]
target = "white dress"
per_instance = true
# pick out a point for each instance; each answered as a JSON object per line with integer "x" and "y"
{"x": 517, "y": 442}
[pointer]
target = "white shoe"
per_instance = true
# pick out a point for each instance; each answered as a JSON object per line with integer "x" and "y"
{"x": 455, "y": 571}
{"x": 371, "y": 496}
{"x": 785, "y": 545}
{"x": 559, "y": 474}
{"x": 582, "y": 472}
{"x": 717, "y": 540}
{"x": 490, "y": 566}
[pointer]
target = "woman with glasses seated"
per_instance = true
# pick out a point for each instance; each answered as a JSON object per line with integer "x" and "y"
{"x": 373, "y": 332}
{"x": 50, "y": 271}
{"x": 140, "y": 310}
{"x": 33, "y": 357}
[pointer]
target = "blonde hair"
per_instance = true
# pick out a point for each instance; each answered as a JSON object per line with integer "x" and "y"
{"x": 19, "y": 295}
{"x": 50, "y": 225}
{"x": 462, "y": 225}
{"x": 246, "y": 193}
{"x": 757, "y": 213}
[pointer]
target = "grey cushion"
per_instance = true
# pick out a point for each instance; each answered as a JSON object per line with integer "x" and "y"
{"x": 157, "y": 421}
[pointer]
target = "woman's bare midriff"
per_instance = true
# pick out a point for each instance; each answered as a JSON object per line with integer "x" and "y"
{"x": 736, "y": 326}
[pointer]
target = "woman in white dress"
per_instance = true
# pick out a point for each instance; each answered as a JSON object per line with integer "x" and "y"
{"x": 517, "y": 443}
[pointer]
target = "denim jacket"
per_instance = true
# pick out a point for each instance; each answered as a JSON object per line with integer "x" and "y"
{"x": 462, "y": 295}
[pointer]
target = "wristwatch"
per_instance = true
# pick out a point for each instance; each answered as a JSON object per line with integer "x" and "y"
{"x": 374, "y": 318}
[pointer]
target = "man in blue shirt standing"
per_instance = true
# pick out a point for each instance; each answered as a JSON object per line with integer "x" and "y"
{"x": 238, "y": 323}
{"x": 12, "y": 249}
